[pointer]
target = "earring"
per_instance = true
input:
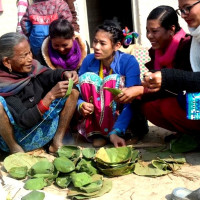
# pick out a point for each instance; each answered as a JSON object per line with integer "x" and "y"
{"x": 10, "y": 70}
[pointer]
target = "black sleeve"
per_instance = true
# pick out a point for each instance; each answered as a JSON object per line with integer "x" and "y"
{"x": 29, "y": 116}
{"x": 23, "y": 116}
{"x": 50, "y": 77}
{"x": 177, "y": 80}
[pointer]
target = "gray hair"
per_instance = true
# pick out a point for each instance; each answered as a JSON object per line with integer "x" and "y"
{"x": 7, "y": 43}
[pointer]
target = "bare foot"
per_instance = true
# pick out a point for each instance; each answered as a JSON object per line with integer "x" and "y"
{"x": 54, "y": 147}
{"x": 16, "y": 149}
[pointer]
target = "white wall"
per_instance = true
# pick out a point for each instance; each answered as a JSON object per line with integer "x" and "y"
{"x": 81, "y": 9}
{"x": 8, "y": 18}
{"x": 142, "y": 8}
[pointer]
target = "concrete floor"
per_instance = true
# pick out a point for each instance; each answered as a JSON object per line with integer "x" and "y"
{"x": 137, "y": 187}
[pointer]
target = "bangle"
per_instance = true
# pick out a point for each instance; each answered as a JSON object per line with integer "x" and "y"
{"x": 42, "y": 108}
{"x": 80, "y": 106}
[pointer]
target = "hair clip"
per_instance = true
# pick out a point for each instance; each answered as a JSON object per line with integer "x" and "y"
{"x": 128, "y": 36}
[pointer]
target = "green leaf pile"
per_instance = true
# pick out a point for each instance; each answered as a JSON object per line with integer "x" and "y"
{"x": 79, "y": 169}
{"x": 116, "y": 161}
{"x": 161, "y": 163}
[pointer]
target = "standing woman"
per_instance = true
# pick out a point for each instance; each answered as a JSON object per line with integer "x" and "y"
{"x": 63, "y": 49}
{"x": 106, "y": 67}
{"x": 177, "y": 80}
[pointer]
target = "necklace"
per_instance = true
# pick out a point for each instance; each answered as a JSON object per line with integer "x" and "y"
{"x": 101, "y": 74}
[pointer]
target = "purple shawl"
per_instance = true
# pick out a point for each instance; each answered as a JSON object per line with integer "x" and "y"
{"x": 71, "y": 60}
{"x": 12, "y": 83}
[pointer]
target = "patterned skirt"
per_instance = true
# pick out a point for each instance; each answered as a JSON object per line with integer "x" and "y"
{"x": 106, "y": 110}
{"x": 38, "y": 135}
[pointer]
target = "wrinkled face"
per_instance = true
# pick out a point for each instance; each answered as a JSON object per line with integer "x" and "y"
{"x": 103, "y": 46}
{"x": 193, "y": 17}
{"x": 22, "y": 59}
{"x": 62, "y": 45}
{"x": 158, "y": 36}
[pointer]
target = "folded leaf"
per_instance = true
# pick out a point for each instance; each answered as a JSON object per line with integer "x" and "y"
{"x": 18, "y": 172}
{"x": 114, "y": 91}
{"x": 35, "y": 184}
{"x": 149, "y": 170}
{"x": 64, "y": 181}
{"x": 21, "y": 160}
{"x": 88, "y": 153}
{"x": 81, "y": 179}
{"x": 34, "y": 195}
{"x": 63, "y": 164}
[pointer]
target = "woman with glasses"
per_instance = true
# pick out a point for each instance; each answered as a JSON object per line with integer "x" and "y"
{"x": 185, "y": 118}
{"x": 169, "y": 49}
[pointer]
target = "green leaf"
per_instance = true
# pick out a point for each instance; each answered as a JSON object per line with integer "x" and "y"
{"x": 120, "y": 170}
{"x": 70, "y": 86}
{"x": 42, "y": 167}
{"x": 77, "y": 194}
{"x": 114, "y": 91}
{"x": 34, "y": 195}
{"x": 81, "y": 179}
{"x": 89, "y": 153}
{"x": 167, "y": 156}
{"x": 69, "y": 151}
{"x": 160, "y": 164}
{"x": 114, "y": 155}
{"x": 52, "y": 176}
{"x": 86, "y": 166}
{"x": 21, "y": 160}
{"x": 35, "y": 184}
{"x": 63, "y": 164}
{"x": 92, "y": 187}
{"x": 149, "y": 170}
{"x": 64, "y": 181}
{"x": 18, "y": 172}
{"x": 184, "y": 143}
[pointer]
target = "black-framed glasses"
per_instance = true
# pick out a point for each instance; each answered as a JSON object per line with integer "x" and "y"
{"x": 186, "y": 10}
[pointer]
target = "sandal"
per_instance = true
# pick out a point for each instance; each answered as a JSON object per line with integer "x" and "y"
{"x": 181, "y": 193}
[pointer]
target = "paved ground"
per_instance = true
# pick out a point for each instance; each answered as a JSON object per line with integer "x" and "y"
{"x": 145, "y": 188}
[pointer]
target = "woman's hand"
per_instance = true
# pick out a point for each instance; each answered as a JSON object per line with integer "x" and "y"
{"x": 152, "y": 81}
{"x": 59, "y": 90}
{"x": 128, "y": 94}
{"x": 71, "y": 74}
{"x": 117, "y": 141}
{"x": 87, "y": 109}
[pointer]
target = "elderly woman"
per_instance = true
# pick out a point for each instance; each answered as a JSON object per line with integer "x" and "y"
{"x": 33, "y": 107}
{"x": 185, "y": 118}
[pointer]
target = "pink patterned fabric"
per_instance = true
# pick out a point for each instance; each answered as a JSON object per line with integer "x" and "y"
{"x": 105, "y": 113}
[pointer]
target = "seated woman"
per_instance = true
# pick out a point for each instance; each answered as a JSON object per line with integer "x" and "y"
{"x": 106, "y": 67}
{"x": 63, "y": 49}
{"x": 175, "y": 116}
{"x": 170, "y": 49}
{"x": 33, "y": 107}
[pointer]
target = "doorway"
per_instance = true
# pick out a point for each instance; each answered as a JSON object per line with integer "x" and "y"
{"x": 100, "y": 10}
